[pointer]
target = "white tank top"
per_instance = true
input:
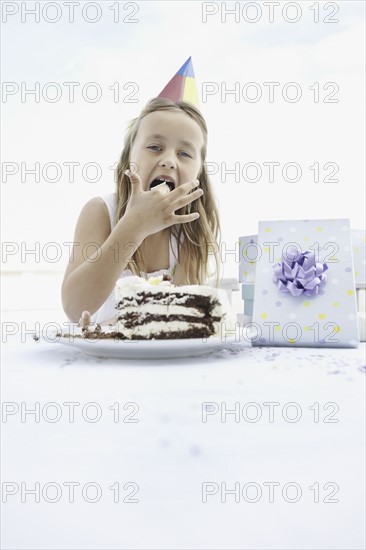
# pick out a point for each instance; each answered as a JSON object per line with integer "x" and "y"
{"x": 107, "y": 310}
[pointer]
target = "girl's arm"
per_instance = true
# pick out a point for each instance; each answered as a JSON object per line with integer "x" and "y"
{"x": 97, "y": 259}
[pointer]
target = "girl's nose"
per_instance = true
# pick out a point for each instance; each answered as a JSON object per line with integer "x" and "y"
{"x": 168, "y": 162}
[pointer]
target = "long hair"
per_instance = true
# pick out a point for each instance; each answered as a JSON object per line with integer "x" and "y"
{"x": 200, "y": 237}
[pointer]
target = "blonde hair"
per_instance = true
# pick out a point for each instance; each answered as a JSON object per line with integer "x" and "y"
{"x": 200, "y": 237}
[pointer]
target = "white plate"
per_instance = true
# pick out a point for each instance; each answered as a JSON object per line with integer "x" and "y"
{"x": 148, "y": 349}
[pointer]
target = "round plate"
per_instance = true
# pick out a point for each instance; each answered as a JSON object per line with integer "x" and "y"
{"x": 148, "y": 349}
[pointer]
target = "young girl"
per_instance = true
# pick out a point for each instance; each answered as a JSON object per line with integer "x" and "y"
{"x": 147, "y": 227}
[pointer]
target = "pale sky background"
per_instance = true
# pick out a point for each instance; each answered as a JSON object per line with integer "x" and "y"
{"x": 149, "y": 52}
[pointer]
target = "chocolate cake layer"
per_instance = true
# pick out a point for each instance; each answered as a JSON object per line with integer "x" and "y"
{"x": 156, "y": 309}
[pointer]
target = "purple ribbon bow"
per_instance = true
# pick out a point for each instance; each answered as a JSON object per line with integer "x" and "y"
{"x": 299, "y": 273}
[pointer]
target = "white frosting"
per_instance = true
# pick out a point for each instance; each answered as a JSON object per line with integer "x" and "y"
{"x": 155, "y": 327}
{"x": 130, "y": 286}
{"x": 158, "y": 309}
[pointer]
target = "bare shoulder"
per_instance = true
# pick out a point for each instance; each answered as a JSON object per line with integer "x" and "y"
{"x": 95, "y": 212}
{"x": 92, "y": 227}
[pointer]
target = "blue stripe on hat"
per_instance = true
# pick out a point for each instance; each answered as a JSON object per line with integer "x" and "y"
{"x": 187, "y": 68}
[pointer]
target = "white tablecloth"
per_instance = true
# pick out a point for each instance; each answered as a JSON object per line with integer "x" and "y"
{"x": 172, "y": 463}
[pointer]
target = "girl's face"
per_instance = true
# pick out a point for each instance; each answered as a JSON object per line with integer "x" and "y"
{"x": 168, "y": 143}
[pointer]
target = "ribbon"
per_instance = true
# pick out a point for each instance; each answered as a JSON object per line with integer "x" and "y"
{"x": 299, "y": 273}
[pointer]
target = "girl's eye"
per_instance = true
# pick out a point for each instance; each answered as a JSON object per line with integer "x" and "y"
{"x": 158, "y": 148}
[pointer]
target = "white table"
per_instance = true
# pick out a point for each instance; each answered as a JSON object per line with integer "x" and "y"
{"x": 170, "y": 452}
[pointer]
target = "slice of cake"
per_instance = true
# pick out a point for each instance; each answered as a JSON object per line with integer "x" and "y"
{"x": 156, "y": 309}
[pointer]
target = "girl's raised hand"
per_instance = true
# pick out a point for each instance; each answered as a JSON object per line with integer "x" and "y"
{"x": 154, "y": 210}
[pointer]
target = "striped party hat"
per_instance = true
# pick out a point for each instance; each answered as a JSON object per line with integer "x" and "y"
{"x": 182, "y": 87}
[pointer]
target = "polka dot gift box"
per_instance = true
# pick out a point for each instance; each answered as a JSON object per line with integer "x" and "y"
{"x": 248, "y": 255}
{"x": 305, "y": 285}
{"x": 358, "y": 237}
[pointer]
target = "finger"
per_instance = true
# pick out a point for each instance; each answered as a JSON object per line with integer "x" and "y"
{"x": 185, "y": 218}
{"x": 185, "y": 188}
{"x": 85, "y": 319}
{"x": 187, "y": 199}
{"x": 135, "y": 180}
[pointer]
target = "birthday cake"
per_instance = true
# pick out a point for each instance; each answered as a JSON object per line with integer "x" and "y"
{"x": 157, "y": 309}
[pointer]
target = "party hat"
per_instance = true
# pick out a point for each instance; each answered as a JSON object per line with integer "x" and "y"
{"x": 182, "y": 87}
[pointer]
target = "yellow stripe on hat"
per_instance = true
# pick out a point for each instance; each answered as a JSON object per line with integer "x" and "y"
{"x": 190, "y": 91}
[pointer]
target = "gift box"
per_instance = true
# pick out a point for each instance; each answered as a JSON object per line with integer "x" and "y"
{"x": 248, "y": 254}
{"x": 305, "y": 285}
{"x": 358, "y": 237}
{"x": 247, "y": 292}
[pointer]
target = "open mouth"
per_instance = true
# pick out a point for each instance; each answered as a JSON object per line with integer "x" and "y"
{"x": 159, "y": 181}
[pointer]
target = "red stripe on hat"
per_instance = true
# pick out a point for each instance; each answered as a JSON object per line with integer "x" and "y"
{"x": 174, "y": 89}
